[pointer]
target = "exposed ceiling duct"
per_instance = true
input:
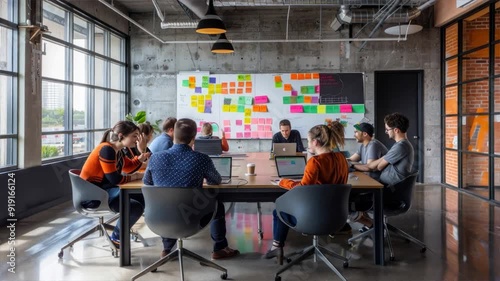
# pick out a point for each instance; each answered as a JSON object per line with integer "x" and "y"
{"x": 281, "y": 3}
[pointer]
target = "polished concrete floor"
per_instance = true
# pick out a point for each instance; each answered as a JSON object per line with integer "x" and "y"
{"x": 462, "y": 234}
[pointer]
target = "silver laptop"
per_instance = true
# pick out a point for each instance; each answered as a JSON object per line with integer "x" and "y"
{"x": 290, "y": 167}
{"x": 223, "y": 165}
{"x": 284, "y": 149}
{"x": 208, "y": 146}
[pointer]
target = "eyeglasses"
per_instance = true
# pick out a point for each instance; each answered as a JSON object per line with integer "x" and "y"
{"x": 390, "y": 129}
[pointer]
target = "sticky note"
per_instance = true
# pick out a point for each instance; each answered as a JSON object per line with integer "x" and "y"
{"x": 248, "y": 135}
{"x": 255, "y": 135}
{"x": 263, "y": 108}
{"x": 269, "y": 121}
{"x": 232, "y": 84}
{"x": 345, "y": 108}
{"x": 185, "y": 83}
{"x": 296, "y": 109}
{"x": 294, "y": 93}
{"x": 212, "y": 80}
{"x": 262, "y": 121}
{"x": 316, "y": 89}
{"x": 248, "y": 84}
{"x": 194, "y": 103}
{"x": 192, "y": 86}
{"x": 232, "y": 91}
{"x": 248, "y": 90}
{"x": 224, "y": 85}
{"x": 226, "y": 108}
{"x": 204, "y": 85}
{"x": 192, "y": 80}
{"x": 208, "y": 109}
{"x": 239, "y": 122}
{"x": 208, "y": 97}
{"x": 201, "y": 98}
{"x": 241, "y": 77}
{"x": 248, "y": 77}
{"x": 228, "y": 135}
{"x": 315, "y": 75}
{"x": 248, "y": 112}
{"x": 255, "y": 121}
{"x": 262, "y": 134}
{"x": 293, "y": 100}
{"x": 233, "y": 108}
{"x": 333, "y": 108}
{"x": 208, "y": 103}
{"x": 260, "y": 128}
{"x": 241, "y": 84}
{"x": 248, "y": 128}
{"x": 286, "y": 100}
{"x": 248, "y": 100}
{"x": 294, "y": 76}
{"x": 287, "y": 87}
{"x": 239, "y": 91}
{"x": 321, "y": 109}
{"x": 224, "y": 91}
{"x": 358, "y": 108}
{"x": 241, "y": 100}
{"x": 303, "y": 89}
{"x": 261, "y": 99}
{"x": 300, "y": 99}
{"x": 307, "y": 99}
{"x": 268, "y": 128}
{"x": 247, "y": 120}
{"x": 269, "y": 135}
{"x": 277, "y": 79}
{"x": 315, "y": 99}
{"x": 239, "y": 135}
{"x": 255, "y": 108}
{"x": 197, "y": 90}
{"x": 278, "y": 85}
{"x": 227, "y": 129}
{"x": 307, "y": 76}
{"x": 310, "y": 89}
{"x": 201, "y": 108}
{"x": 218, "y": 88}
{"x": 241, "y": 108}
{"x": 227, "y": 123}
{"x": 300, "y": 76}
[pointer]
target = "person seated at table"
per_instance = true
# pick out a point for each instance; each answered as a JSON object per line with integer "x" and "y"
{"x": 165, "y": 140}
{"x": 146, "y": 132}
{"x": 181, "y": 166}
{"x": 104, "y": 168}
{"x": 206, "y": 133}
{"x": 324, "y": 167}
{"x": 287, "y": 135}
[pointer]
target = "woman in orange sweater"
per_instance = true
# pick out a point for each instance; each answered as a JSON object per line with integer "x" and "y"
{"x": 105, "y": 165}
{"x": 324, "y": 167}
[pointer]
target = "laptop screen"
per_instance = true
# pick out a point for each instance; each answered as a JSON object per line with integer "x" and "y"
{"x": 208, "y": 146}
{"x": 288, "y": 166}
{"x": 223, "y": 165}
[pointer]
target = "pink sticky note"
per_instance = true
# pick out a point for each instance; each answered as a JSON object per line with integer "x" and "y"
{"x": 260, "y": 128}
{"x": 248, "y": 128}
{"x": 269, "y": 135}
{"x": 268, "y": 128}
{"x": 296, "y": 109}
{"x": 255, "y": 121}
{"x": 262, "y": 121}
{"x": 345, "y": 108}
{"x": 262, "y": 134}
{"x": 227, "y": 123}
{"x": 255, "y": 135}
{"x": 198, "y": 129}
{"x": 316, "y": 89}
{"x": 269, "y": 121}
{"x": 261, "y": 99}
{"x": 228, "y": 135}
{"x": 227, "y": 129}
{"x": 248, "y": 135}
{"x": 294, "y": 93}
{"x": 239, "y": 135}
{"x": 239, "y": 122}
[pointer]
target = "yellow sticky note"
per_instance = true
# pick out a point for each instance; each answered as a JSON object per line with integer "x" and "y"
{"x": 211, "y": 91}
{"x": 194, "y": 98}
{"x": 194, "y": 103}
{"x": 201, "y": 108}
{"x": 234, "y": 108}
{"x": 208, "y": 97}
{"x": 201, "y": 98}
{"x": 321, "y": 108}
{"x": 226, "y": 108}
{"x": 247, "y": 120}
{"x": 218, "y": 88}
{"x": 248, "y": 112}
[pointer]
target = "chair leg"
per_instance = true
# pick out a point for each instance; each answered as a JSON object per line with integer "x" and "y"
{"x": 309, "y": 251}
{"x": 332, "y": 253}
{"x": 406, "y": 236}
{"x": 361, "y": 235}
{"x": 114, "y": 250}
{"x": 389, "y": 243}
{"x": 259, "y": 222}
{"x": 203, "y": 261}
{"x": 157, "y": 264}
{"x": 83, "y": 235}
{"x": 329, "y": 264}
{"x": 138, "y": 237}
{"x": 112, "y": 219}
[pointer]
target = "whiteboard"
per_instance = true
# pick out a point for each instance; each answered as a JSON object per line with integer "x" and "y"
{"x": 250, "y": 106}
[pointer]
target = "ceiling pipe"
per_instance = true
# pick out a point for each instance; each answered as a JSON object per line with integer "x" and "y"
{"x": 158, "y": 10}
{"x": 247, "y": 41}
{"x": 198, "y": 7}
{"x": 284, "y": 3}
{"x": 390, "y": 10}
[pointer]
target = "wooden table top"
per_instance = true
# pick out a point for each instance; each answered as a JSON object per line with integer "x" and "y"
{"x": 265, "y": 170}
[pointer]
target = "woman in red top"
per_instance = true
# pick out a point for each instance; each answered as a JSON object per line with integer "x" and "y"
{"x": 107, "y": 162}
{"x": 324, "y": 167}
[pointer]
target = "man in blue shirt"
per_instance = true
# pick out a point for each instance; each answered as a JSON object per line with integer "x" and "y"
{"x": 180, "y": 166}
{"x": 287, "y": 135}
{"x": 165, "y": 140}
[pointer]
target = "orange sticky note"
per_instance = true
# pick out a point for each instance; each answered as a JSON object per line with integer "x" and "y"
{"x": 241, "y": 84}
{"x": 232, "y": 84}
{"x": 277, "y": 79}
{"x": 263, "y": 108}
{"x": 240, "y": 91}
{"x": 256, "y": 108}
{"x": 307, "y": 99}
{"x": 294, "y": 76}
{"x": 315, "y": 75}
{"x": 224, "y": 85}
{"x": 287, "y": 87}
{"x": 232, "y": 91}
{"x": 307, "y": 76}
{"x": 248, "y": 90}
{"x": 248, "y": 84}
{"x": 224, "y": 91}
{"x": 301, "y": 76}
{"x": 192, "y": 80}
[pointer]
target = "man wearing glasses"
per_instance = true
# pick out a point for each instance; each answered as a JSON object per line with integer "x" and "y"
{"x": 398, "y": 162}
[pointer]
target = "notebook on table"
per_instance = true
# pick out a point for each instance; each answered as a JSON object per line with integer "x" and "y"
{"x": 208, "y": 146}
{"x": 223, "y": 165}
{"x": 290, "y": 167}
{"x": 284, "y": 149}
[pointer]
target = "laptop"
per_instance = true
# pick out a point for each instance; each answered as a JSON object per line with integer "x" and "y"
{"x": 208, "y": 146}
{"x": 290, "y": 167}
{"x": 284, "y": 149}
{"x": 223, "y": 165}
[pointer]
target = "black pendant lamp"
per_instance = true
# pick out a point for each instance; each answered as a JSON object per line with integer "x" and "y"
{"x": 222, "y": 45}
{"x": 211, "y": 23}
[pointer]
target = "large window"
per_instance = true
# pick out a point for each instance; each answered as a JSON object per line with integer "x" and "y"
{"x": 471, "y": 85}
{"x": 8, "y": 84}
{"x": 83, "y": 82}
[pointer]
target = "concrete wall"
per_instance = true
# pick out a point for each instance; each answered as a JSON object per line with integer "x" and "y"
{"x": 155, "y": 65}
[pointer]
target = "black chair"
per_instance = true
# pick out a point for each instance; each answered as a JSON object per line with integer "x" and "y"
{"x": 318, "y": 210}
{"x": 397, "y": 201}
{"x": 178, "y": 212}
{"x": 86, "y": 191}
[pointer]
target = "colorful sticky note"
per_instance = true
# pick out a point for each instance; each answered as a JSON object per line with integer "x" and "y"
{"x": 201, "y": 98}
{"x": 316, "y": 89}
{"x": 227, "y": 123}
{"x": 333, "y": 108}
{"x": 208, "y": 97}
{"x": 262, "y": 134}
{"x": 227, "y": 129}
{"x": 248, "y": 135}
{"x": 241, "y": 100}
{"x": 315, "y": 99}
{"x": 192, "y": 80}
{"x": 239, "y": 91}
{"x": 286, "y": 100}
{"x": 358, "y": 108}
{"x": 248, "y": 112}
{"x": 201, "y": 108}
{"x": 287, "y": 87}
{"x": 269, "y": 121}
{"x": 194, "y": 103}
{"x": 248, "y": 128}
{"x": 307, "y": 76}
{"x": 248, "y": 100}
{"x": 255, "y": 135}
{"x": 268, "y": 128}
{"x": 278, "y": 84}
{"x": 293, "y": 100}
{"x": 303, "y": 89}
{"x": 300, "y": 99}
{"x": 310, "y": 89}
{"x": 232, "y": 91}
{"x": 248, "y": 90}
{"x": 269, "y": 135}
{"x": 226, "y": 108}
{"x": 185, "y": 83}
{"x": 197, "y": 90}
{"x": 296, "y": 109}
{"x": 241, "y": 108}
{"x": 294, "y": 76}
{"x": 248, "y": 77}
{"x": 315, "y": 75}
{"x": 300, "y": 76}
{"x": 263, "y": 108}
{"x": 345, "y": 108}
{"x": 255, "y": 108}
{"x": 241, "y": 77}
{"x": 255, "y": 121}
{"x": 212, "y": 80}
{"x": 204, "y": 85}
{"x": 261, "y": 99}
{"x": 208, "y": 109}
{"x": 321, "y": 109}
{"x": 233, "y": 108}
{"x": 239, "y": 135}
{"x": 208, "y": 103}
{"x": 262, "y": 121}
{"x": 224, "y": 85}
{"x": 277, "y": 79}
{"x": 307, "y": 99}
{"x": 247, "y": 120}
{"x": 260, "y": 128}
{"x": 239, "y": 122}
{"x": 248, "y": 84}
{"x": 232, "y": 84}
{"x": 294, "y": 93}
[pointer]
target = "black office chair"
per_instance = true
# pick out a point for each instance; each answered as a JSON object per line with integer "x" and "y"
{"x": 86, "y": 191}
{"x": 397, "y": 201}
{"x": 318, "y": 210}
{"x": 178, "y": 212}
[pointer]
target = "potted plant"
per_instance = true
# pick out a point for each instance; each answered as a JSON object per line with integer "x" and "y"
{"x": 140, "y": 117}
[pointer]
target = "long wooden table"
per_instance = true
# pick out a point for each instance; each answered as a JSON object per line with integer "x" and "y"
{"x": 256, "y": 188}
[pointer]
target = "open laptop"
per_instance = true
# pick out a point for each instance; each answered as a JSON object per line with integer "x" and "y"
{"x": 284, "y": 149}
{"x": 290, "y": 167}
{"x": 223, "y": 165}
{"x": 208, "y": 146}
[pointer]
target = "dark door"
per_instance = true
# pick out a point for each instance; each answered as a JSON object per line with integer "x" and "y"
{"x": 401, "y": 91}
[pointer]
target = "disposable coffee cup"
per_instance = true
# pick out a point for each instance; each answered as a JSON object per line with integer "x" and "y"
{"x": 250, "y": 168}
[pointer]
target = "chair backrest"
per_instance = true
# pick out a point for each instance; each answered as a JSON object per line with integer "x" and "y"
{"x": 398, "y": 197}
{"x": 86, "y": 191}
{"x": 208, "y": 146}
{"x": 178, "y": 212}
{"x": 318, "y": 209}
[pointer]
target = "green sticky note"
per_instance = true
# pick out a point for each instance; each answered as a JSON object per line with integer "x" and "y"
{"x": 300, "y": 99}
{"x": 248, "y": 100}
{"x": 241, "y": 108}
{"x": 303, "y": 89}
{"x": 204, "y": 84}
{"x": 314, "y": 108}
{"x": 286, "y": 100}
{"x": 241, "y": 77}
{"x": 293, "y": 99}
{"x": 336, "y": 108}
{"x": 248, "y": 77}
{"x": 241, "y": 100}
{"x": 204, "y": 79}
{"x": 307, "y": 109}
{"x": 358, "y": 108}
{"x": 185, "y": 83}
{"x": 310, "y": 89}
{"x": 278, "y": 84}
